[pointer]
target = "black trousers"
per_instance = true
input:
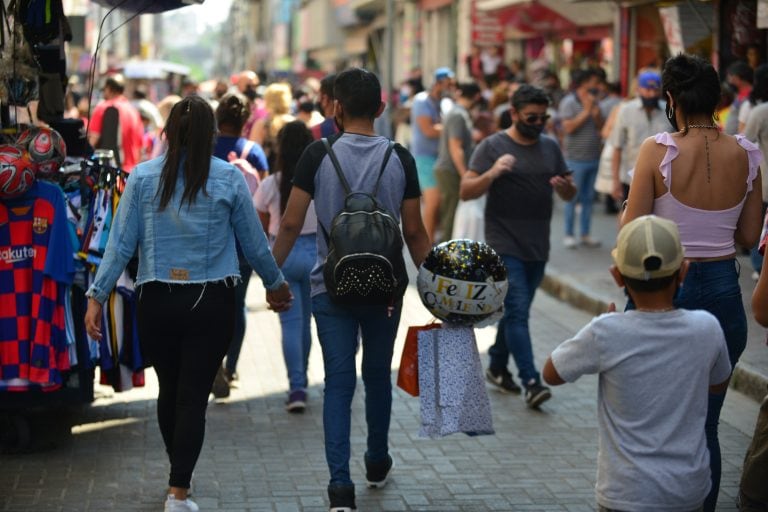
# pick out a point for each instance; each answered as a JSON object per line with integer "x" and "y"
{"x": 185, "y": 330}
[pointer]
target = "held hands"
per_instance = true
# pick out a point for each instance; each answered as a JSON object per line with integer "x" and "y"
{"x": 93, "y": 319}
{"x": 502, "y": 165}
{"x": 280, "y": 298}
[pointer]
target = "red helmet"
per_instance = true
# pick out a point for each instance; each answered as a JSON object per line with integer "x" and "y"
{"x": 46, "y": 148}
{"x": 17, "y": 171}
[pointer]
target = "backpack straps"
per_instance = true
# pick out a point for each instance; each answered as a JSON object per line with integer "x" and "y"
{"x": 336, "y": 165}
{"x": 390, "y": 146}
{"x": 247, "y": 147}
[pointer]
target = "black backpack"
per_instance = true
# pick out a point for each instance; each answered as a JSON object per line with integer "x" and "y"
{"x": 365, "y": 262}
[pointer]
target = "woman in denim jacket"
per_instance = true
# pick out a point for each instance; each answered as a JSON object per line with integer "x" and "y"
{"x": 182, "y": 213}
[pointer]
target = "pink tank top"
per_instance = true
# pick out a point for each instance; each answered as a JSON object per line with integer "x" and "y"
{"x": 703, "y": 233}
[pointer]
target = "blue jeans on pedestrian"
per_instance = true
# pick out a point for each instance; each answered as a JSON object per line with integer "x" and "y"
{"x": 513, "y": 335}
{"x": 584, "y": 175}
{"x": 714, "y": 287}
{"x": 233, "y": 353}
{"x": 339, "y": 327}
{"x": 295, "y": 323}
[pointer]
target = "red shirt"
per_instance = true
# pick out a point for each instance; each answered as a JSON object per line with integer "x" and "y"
{"x": 132, "y": 130}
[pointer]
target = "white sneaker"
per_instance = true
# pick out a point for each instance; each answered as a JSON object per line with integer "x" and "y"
{"x": 174, "y": 505}
{"x": 570, "y": 242}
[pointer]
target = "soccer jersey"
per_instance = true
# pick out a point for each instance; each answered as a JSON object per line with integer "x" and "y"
{"x": 36, "y": 264}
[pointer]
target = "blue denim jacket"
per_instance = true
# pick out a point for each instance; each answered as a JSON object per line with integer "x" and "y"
{"x": 188, "y": 244}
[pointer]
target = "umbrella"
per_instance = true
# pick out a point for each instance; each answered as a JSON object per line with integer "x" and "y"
{"x": 148, "y": 6}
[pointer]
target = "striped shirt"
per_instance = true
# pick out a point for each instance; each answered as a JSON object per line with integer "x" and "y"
{"x": 583, "y": 144}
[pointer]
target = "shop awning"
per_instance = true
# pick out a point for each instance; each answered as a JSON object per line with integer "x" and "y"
{"x": 148, "y": 6}
{"x": 581, "y": 20}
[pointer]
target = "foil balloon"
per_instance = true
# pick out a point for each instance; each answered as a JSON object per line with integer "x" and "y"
{"x": 463, "y": 282}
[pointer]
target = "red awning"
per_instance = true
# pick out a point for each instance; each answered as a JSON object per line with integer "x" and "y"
{"x": 535, "y": 18}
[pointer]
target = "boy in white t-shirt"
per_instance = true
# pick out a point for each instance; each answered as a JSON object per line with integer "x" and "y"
{"x": 656, "y": 365}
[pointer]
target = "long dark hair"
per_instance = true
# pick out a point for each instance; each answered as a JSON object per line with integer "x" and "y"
{"x": 292, "y": 139}
{"x": 189, "y": 131}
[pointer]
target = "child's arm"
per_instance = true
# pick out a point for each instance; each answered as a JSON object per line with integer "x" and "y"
{"x": 550, "y": 374}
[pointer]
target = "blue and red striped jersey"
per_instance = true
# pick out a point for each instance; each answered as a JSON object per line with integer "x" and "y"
{"x": 36, "y": 265}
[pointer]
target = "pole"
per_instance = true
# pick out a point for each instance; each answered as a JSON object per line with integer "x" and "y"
{"x": 390, "y": 64}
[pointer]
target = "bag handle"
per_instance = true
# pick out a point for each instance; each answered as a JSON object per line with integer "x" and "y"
{"x": 336, "y": 165}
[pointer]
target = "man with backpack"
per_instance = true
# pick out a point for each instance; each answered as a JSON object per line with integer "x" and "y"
{"x": 362, "y": 187}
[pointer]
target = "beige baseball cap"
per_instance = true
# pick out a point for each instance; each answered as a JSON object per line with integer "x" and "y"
{"x": 648, "y": 248}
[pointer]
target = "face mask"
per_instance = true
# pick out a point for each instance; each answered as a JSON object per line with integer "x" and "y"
{"x": 529, "y": 131}
{"x": 671, "y": 116}
{"x": 650, "y": 103}
{"x": 250, "y": 93}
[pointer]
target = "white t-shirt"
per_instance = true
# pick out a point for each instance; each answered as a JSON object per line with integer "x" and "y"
{"x": 267, "y": 200}
{"x": 654, "y": 370}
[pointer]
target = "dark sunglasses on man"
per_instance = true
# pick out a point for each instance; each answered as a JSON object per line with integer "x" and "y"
{"x": 533, "y": 118}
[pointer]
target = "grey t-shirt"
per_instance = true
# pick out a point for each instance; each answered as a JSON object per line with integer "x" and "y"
{"x": 360, "y": 158}
{"x": 519, "y": 207}
{"x": 584, "y": 144}
{"x": 654, "y": 370}
{"x": 458, "y": 125}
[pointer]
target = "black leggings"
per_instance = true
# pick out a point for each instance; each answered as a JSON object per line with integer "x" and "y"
{"x": 185, "y": 330}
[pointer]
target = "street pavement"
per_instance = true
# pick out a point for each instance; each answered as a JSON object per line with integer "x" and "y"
{"x": 259, "y": 458}
{"x": 580, "y": 276}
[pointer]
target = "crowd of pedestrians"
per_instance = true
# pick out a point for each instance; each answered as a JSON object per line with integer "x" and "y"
{"x": 252, "y": 179}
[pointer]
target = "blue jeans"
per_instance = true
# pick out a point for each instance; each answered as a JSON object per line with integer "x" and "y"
{"x": 295, "y": 323}
{"x": 584, "y": 175}
{"x": 338, "y": 328}
{"x": 233, "y": 353}
{"x": 714, "y": 286}
{"x": 513, "y": 335}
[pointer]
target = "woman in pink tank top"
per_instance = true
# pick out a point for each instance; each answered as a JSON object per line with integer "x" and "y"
{"x": 709, "y": 184}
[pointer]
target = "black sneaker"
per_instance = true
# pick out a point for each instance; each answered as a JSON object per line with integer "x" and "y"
{"x": 536, "y": 394}
{"x": 377, "y": 473}
{"x": 342, "y": 498}
{"x": 503, "y": 380}
{"x": 220, "y": 387}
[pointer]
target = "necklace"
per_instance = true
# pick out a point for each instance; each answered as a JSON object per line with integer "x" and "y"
{"x": 705, "y": 126}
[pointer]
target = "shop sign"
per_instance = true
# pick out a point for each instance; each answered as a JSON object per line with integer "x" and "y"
{"x": 487, "y": 29}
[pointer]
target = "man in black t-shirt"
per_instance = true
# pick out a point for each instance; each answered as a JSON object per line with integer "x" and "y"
{"x": 360, "y": 153}
{"x": 519, "y": 169}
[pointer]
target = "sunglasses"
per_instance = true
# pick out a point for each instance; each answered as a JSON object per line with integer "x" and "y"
{"x": 533, "y": 118}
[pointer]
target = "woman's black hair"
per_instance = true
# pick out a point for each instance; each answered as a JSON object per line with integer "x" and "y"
{"x": 292, "y": 139}
{"x": 233, "y": 111}
{"x": 760, "y": 85}
{"x": 189, "y": 131}
{"x": 693, "y": 84}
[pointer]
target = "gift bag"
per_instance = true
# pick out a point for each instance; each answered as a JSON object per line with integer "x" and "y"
{"x": 452, "y": 390}
{"x": 408, "y": 374}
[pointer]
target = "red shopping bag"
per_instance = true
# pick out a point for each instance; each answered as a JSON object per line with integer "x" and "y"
{"x": 408, "y": 374}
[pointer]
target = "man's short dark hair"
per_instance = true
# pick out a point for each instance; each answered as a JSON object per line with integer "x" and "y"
{"x": 359, "y": 92}
{"x": 469, "y": 90}
{"x": 741, "y": 70}
{"x": 326, "y": 85}
{"x": 580, "y": 76}
{"x": 528, "y": 94}
{"x": 651, "y": 285}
